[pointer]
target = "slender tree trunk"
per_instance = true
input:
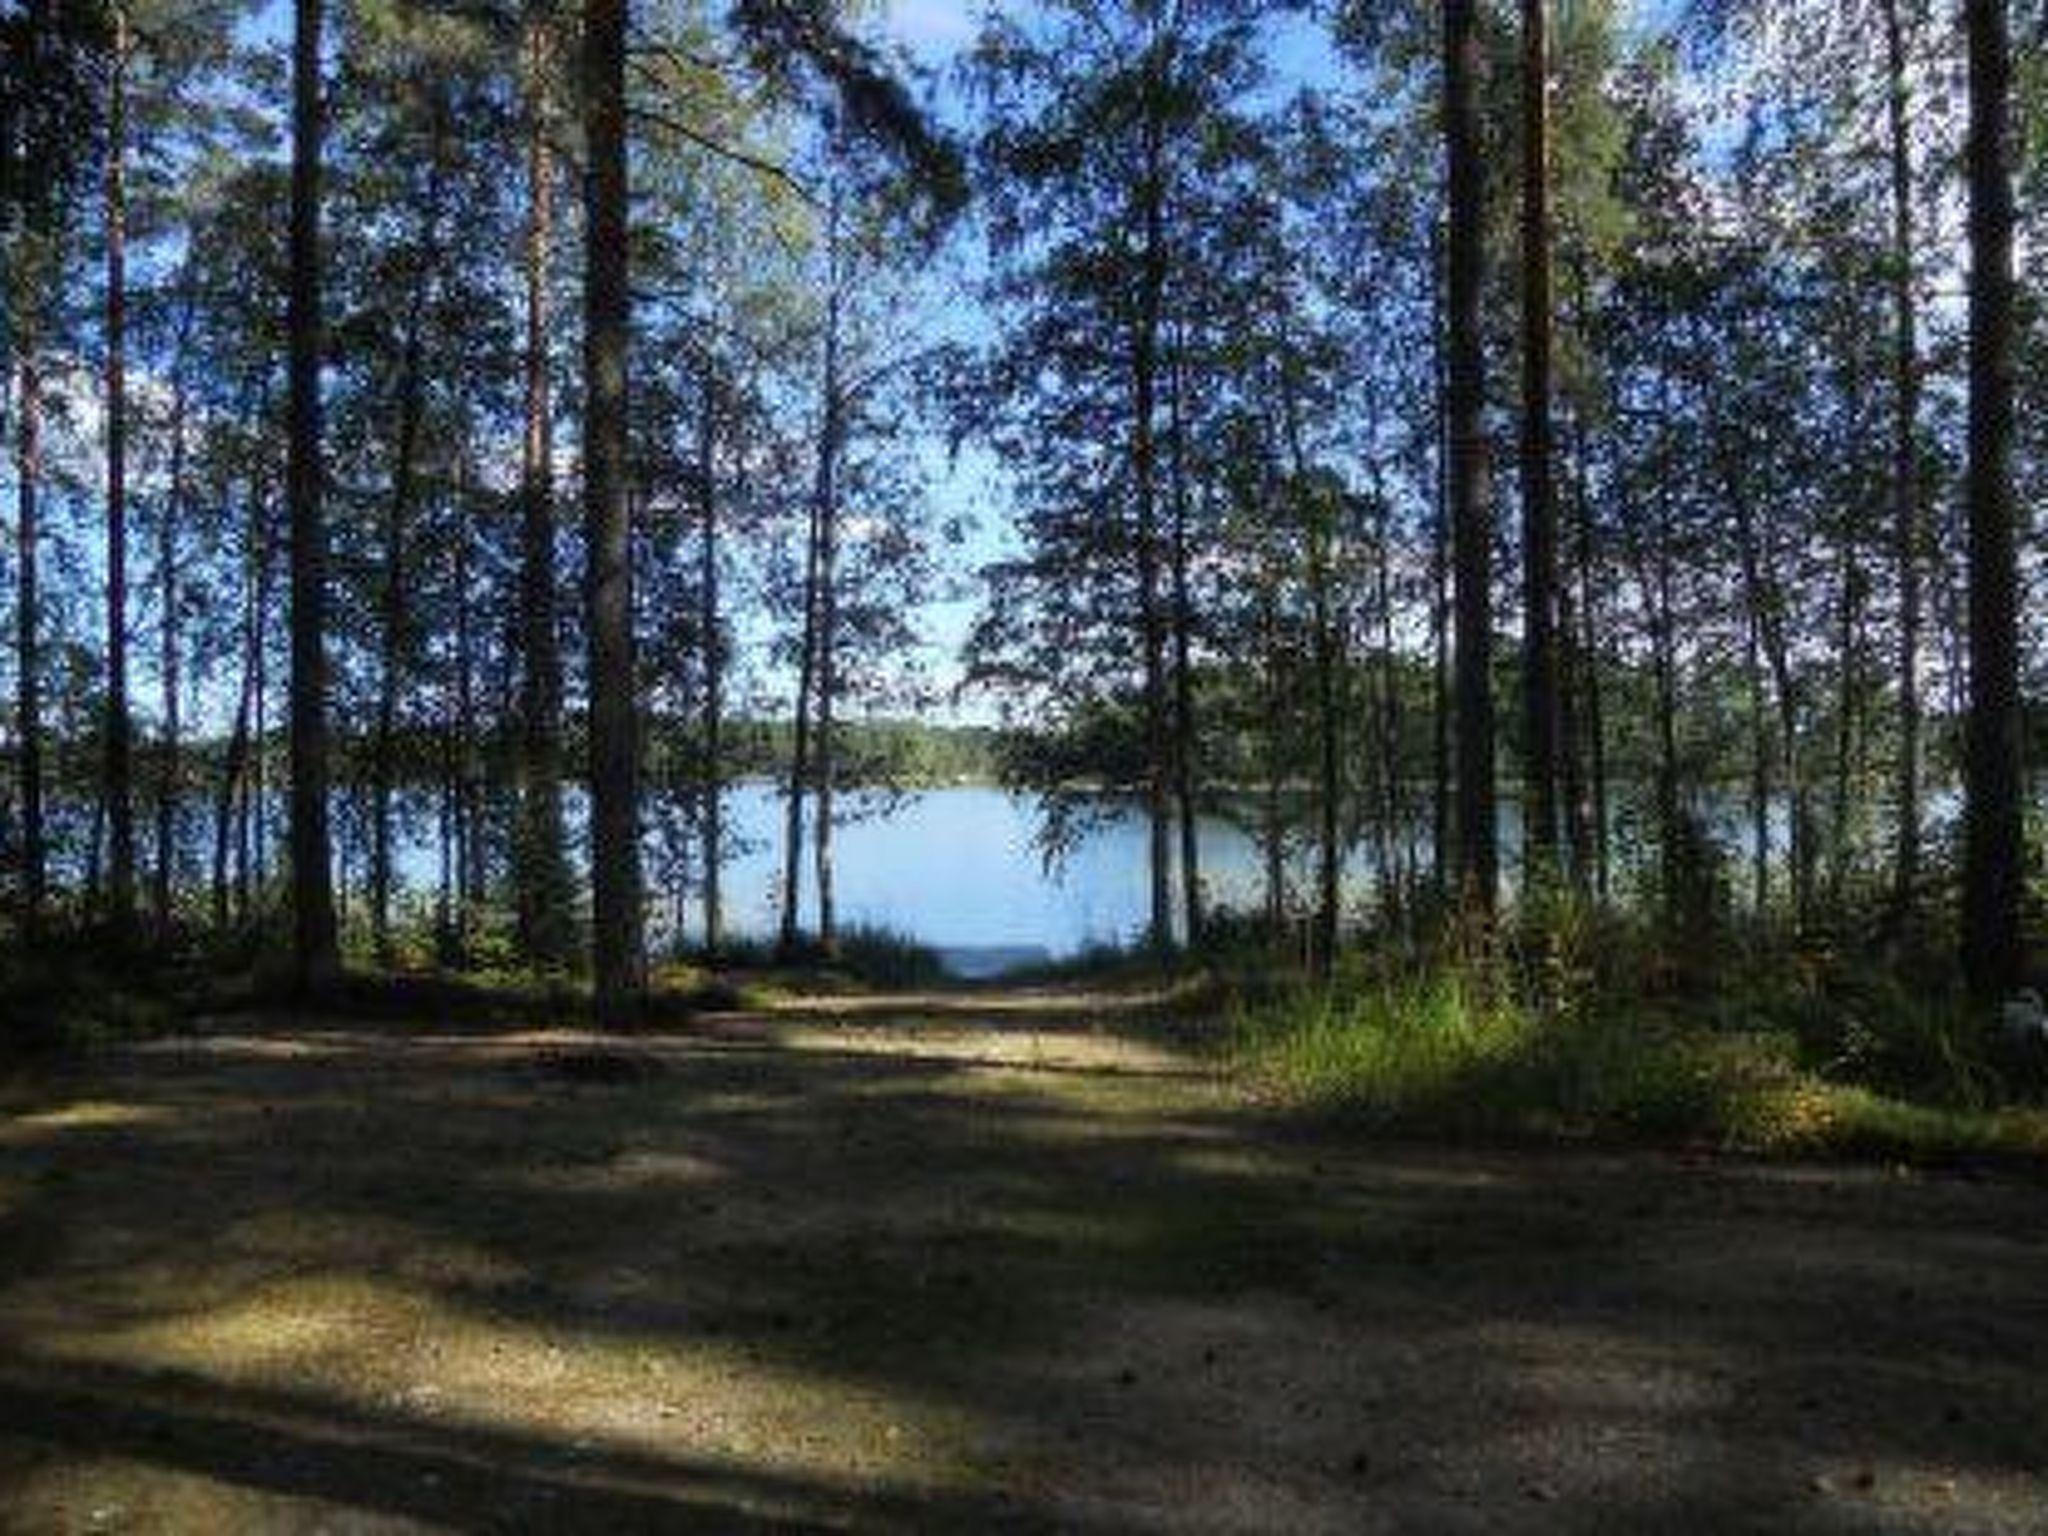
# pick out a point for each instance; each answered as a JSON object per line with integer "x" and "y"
{"x": 119, "y": 792}
{"x": 1389, "y": 711}
{"x": 1329, "y": 785}
{"x": 1471, "y": 535}
{"x": 1994, "y": 828}
{"x": 1601, "y": 814}
{"x": 392, "y": 615}
{"x": 1273, "y": 829}
{"x": 1151, "y": 218}
{"x": 833, "y": 429}
{"x": 1585, "y": 537}
{"x": 614, "y": 734}
{"x": 828, "y": 684}
{"x": 1441, "y": 809}
{"x": 1578, "y": 831}
{"x": 1655, "y": 579}
{"x": 28, "y": 717}
{"x": 468, "y": 774}
{"x": 230, "y": 830}
{"x": 1183, "y": 658}
{"x": 544, "y": 921}
{"x": 1759, "y": 771}
{"x": 1906, "y": 499}
{"x": 1848, "y": 674}
{"x": 1539, "y": 498}
{"x": 710, "y": 627}
{"x": 1440, "y": 799}
{"x": 800, "y": 744}
{"x": 315, "y": 953}
{"x": 169, "y": 655}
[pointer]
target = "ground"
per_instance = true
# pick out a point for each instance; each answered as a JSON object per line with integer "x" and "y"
{"x": 974, "y": 1261}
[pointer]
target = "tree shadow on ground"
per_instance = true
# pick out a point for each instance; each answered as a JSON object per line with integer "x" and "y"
{"x": 787, "y": 1275}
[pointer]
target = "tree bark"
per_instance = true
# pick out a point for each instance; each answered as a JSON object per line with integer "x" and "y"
{"x": 315, "y": 954}
{"x": 800, "y": 743}
{"x": 1908, "y": 517}
{"x": 1151, "y": 218}
{"x": 393, "y": 603}
{"x": 833, "y": 429}
{"x": 709, "y": 625}
{"x": 119, "y": 789}
{"x": 1471, "y": 533}
{"x": 1183, "y": 657}
{"x": 28, "y": 707}
{"x": 543, "y": 916}
{"x": 614, "y": 736}
{"x": 1994, "y": 830}
{"x": 170, "y": 654}
{"x": 1539, "y": 497}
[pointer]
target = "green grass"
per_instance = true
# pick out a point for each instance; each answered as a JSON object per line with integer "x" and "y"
{"x": 1435, "y": 1052}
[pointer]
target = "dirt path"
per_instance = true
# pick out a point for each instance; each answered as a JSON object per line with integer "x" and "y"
{"x": 956, "y": 1263}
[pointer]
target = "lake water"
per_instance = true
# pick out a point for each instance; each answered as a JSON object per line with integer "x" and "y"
{"x": 961, "y": 869}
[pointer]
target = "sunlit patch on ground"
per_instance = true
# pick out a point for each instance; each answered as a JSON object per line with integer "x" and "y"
{"x": 86, "y": 1115}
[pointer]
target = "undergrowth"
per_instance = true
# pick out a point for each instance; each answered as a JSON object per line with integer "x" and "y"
{"x": 1585, "y": 1032}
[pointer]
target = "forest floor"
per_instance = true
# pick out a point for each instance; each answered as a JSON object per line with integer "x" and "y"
{"x": 973, "y": 1260}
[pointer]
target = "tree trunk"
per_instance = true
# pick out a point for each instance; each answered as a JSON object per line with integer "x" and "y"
{"x": 833, "y": 429}
{"x": 800, "y": 743}
{"x": 1329, "y": 853}
{"x": 1759, "y": 771}
{"x": 169, "y": 598}
{"x": 1994, "y": 829}
{"x": 315, "y": 953}
{"x": 1389, "y": 712}
{"x": 1584, "y": 536}
{"x": 1848, "y": 674}
{"x": 392, "y": 616}
{"x": 229, "y": 830}
{"x": 614, "y": 744}
{"x": 1906, "y": 499}
{"x": 119, "y": 788}
{"x": 28, "y": 718}
{"x": 711, "y": 638}
{"x": 544, "y": 919}
{"x": 1183, "y": 659}
{"x": 1471, "y": 535}
{"x": 1151, "y": 218}
{"x": 468, "y": 774}
{"x": 1539, "y": 499}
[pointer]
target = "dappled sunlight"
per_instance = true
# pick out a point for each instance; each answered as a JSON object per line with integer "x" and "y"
{"x": 86, "y": 1115}
{"x": 903, "y": 1277}
{"x": 641, "y": 1170}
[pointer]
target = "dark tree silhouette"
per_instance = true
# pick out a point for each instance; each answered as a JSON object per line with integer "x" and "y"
{"x": 1471, "y": 533}
{"x": 616, "y": 955}
{"x": 314, "y": 942}
{"x": 1994, "y": 830}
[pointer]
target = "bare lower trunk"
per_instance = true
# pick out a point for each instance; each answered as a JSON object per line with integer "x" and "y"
{"x": 169, "y": 599}
{"x": 119, "y": 796}
{"x": 1909, "y": 534}
{"x": 618, "y": 959}
{"x": 1183, "y": 664}
{"x": 710, "y": 627}
{"x": 800, "y": 746}
{"x": 1471, "y": 531}
{"x": 315, "y": 954}
{"x": 542, "y": 868}
{"x": 28, "y": 716}
{"x": 1994, "y": 825}
{"x": 1539, "y": 501}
